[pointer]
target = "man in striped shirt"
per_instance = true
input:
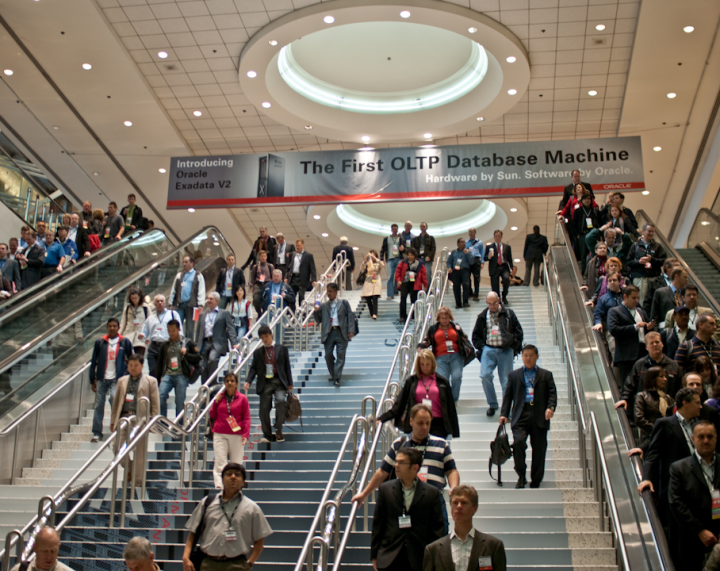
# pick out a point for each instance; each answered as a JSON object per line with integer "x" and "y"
{"x": 702, "y": 344}
{"x": 437, "y": 465}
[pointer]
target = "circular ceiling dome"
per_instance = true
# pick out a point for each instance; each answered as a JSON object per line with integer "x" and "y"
{"x": 358, "y": 70}
{"x": 381, "y": 76}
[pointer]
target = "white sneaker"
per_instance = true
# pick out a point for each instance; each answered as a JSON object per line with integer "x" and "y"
{"x": 94, "y": 439}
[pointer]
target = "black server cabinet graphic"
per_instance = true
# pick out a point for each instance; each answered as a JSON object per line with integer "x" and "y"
{"x": 271, "y": 181}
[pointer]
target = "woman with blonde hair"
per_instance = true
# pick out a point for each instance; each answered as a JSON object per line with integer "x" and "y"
{"x": 425, "y": 386}
{"x": 372, "y": 288}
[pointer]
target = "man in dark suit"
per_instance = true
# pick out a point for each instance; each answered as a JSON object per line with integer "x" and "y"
{"x": 500, "y": 259}
{"x": 536, "y": 246}
{"x": 78, "y": 234}
{"x": 343, "y": 247}
{"x": 627, "y": 323}
{"x": 668, "y": 297}
{"x": 408, "y": 517}
{"x": 229, "y": 279}
{"x": 669, "y": 442}
{"x": 271, "y": 366}
{"x": 529, "y": 403}
{"x": 31, "y": 260}
{"x": 465, "y": 545}
{"x": 569, "y": 191}
{"x": 338, "y": 328}
{"x": 675, "y": 336}
{"x": 214, "y": 329}
{"x": 283, "y": 252}
{"x": 663, "y": 280}
{"x": 694, "y": 482}
{"x": 301, "y": 274}
{"x": 10, "y": 269}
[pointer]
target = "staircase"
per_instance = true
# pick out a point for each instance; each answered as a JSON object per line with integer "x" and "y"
{"x": 287, "y": 480}
{"x": 553, "y": 527}
{"x": 704, "y": 269}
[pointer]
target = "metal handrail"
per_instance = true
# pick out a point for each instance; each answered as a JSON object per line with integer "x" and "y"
{"x": 361, "y": 462}
{"x": 79, "y": 269}
{"x": 706, "y": 211}
{"x": 672, "y": 252}
{"x": 52, "y": 332}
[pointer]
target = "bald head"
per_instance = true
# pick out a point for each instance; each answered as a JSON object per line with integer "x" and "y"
{"x": 493, "y": 302}
{"x": 46, "y": 548}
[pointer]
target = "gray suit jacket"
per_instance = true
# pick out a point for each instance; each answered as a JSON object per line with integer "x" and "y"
{"x": 12, "y": 274}
{"x": 438, "y": 555}
{"x": 223, "y": 331}
{"x": 345, "y": 317}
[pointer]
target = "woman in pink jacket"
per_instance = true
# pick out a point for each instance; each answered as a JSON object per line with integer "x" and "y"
{"x": 230, "y": 413}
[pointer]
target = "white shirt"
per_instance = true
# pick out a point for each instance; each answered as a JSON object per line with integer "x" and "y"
{"x": 638, "y": 319}
{"x": 334, "y": 321}
{"x": 687, "y": 430}
{"x": 72, "y": 234}
{"x": 210, "y": 321}
{"x": 228, "y": 281}
{"x": 155, "y": 328}
{"x": 112, "y": 350}
{"x": 461, "y": 550}
{"x": 281, "y": 253}
{"x": 681, "y": 335}
{"x": 296, "y": 262}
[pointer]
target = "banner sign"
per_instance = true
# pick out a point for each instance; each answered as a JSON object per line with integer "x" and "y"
{"x": 450, "y": 172}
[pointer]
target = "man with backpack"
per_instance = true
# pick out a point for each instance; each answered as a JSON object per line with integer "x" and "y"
{"x": 177, "y": 365}
{"x": 338, "y": 328}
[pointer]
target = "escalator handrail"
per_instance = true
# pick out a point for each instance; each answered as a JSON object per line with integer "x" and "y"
{"x": 706, "y": 211}
{"x": 69, "y": 274}
{"x": 672, "y": 252}
{"x": 52, "y": 332}
{"x": 648, "y": 502}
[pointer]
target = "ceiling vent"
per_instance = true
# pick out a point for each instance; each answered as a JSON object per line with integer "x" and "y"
{"x": 599, "y": 41}
{"x": 173, "y": 67}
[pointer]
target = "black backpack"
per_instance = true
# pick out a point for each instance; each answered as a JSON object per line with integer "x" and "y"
{"x": 500, "y": 452}
{"x": 197, "y": 556}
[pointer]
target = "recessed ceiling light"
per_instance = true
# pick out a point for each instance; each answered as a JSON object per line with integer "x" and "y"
{"x": 96, "y": 173}
{"x": 513, "y": 210}
{"x": 8, "y": 72}
{"x": 328, "y": 19}
{"x": 365, "y": 138}
{"x": 87, "y": 66}
{"x": 128, "y": 123}
{"x": 511, "y": 59}
{"x": 645, "y": 192}
{"x": 672, "y": 95}
{"x": 355, "y": 248}
{"x": 191, "y": 210}
{"x": 656, "y": 149}
{"x": 197, "y": 113}
{"x": 705, "y": 223}
{"x": 600, "y": 27}
{"x": 472, "y": 30}
{"x": 216, "y": 243}
{"x": 592, "y": 93}
{"x": 273, "y": 42}
{"x": 162, "y": 55}
{"x": 516, "y": 260}
{"x": 56, "y": 127}
{"x": 404, "y": 14}
{"x": 428, "y": 146}
{"x": 252, "y": 74}
{"x": 481, "y": 118}
{"x": 266, "y": 104}
{"x": 317, "y": 216}
{"x": 688, "y": 29}
{"x": 162, "y": 171}
{"x": 428, "y": 135}
{"x": 514, "y": 228}
{"x": 366, "y": 148}
{"x": 512, "y": 91}
{"x": 325, "y": 234}
{"x": 308, "y": 127}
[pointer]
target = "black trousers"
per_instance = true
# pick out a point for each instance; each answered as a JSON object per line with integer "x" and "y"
{"x": 503, "y": 275}
{"x": 526, "y": 426}
{"x": 273, "y": 389}
{"x": 407, "y": 288}
{"x": 372, "y": 303}
{"x": 152, "y": 357}
{"x": 529, "y": 265}
{"x": 298, "y": 290}
{"x": 475, "y": 273}
{"x": 461, "y": 281}
{"x": 400, "y": 563}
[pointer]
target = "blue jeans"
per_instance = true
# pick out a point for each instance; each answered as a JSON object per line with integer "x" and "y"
{"x": 168, "y": 383}
{"x": 185, "y": 312}
{"x": 392, "y": 265}
{"x": 104, "y": 388}
{"x": 450, "y": 366}
{"x": 492, "y": 358}
{"x": 241, "y": 332}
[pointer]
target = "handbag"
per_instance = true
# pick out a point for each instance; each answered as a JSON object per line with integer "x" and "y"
{"x": 362, "y": 276}
{"x": 197, "y": 556}
{"x": 500, "y": 452}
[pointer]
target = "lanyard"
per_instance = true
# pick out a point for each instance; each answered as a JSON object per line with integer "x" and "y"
{"x": 445, "y": 331}
{"x": 228, "y": 401}
{"x": 222, "y": 507}
{"x": 269, "y": 354}
{"x": 427, "y": 388}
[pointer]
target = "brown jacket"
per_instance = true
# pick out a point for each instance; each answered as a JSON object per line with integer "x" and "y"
{"x": 647, "y": 410}
{"x": 147, "y": 387}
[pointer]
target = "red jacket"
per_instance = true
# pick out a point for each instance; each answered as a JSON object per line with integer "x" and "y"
{"x": 421, "y": 281}
{"x": 240, "y": 408}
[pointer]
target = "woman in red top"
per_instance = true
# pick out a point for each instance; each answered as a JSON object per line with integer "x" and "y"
{"x": 574, "y": 203}
{"x": 230, "y": 413}
{"x": 448, "y": 343}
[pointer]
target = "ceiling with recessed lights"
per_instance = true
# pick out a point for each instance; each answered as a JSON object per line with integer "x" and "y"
{"x": 173, "y": 71}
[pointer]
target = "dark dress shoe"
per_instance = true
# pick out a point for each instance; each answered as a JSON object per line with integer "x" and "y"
{"x": 505, "y": 301}
{"x": 534, "y": 485}
{"x": 521, "y": 483}
{"x": 490, "y": 412}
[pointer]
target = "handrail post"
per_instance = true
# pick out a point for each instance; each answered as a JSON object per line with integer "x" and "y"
{"x": 8, "y": 548}
{"x": 132, "y": 423}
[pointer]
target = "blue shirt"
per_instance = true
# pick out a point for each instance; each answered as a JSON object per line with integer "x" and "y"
{"x": 70, "y": 249}
{"x": 41, "y": 242}
{"x": 462, "y": 257}
{"x": 54, "y": 254}
{"x": 2, "y": 265}
{"x": 477, "y": 248}
{"x": 404, "y": 238}
{"x": 187, "y": 281}
{"x": 275, "y": 290}
{"x": 530, "y": 383}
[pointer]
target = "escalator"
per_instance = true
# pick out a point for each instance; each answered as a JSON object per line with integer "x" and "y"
{"x": 49, "y": 337}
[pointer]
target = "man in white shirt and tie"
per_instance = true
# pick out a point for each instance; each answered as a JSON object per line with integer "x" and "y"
{"x": 499, "y": 256}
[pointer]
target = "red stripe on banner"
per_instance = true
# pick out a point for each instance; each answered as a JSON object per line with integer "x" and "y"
{"x": 394, "y": 196}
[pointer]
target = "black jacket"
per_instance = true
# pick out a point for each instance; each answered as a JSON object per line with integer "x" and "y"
{"x": 12, "y": 273}
{"x": 400, "y": 411}
{"x": 510, "y": 330}
{"x": 430, "y": 248}
{"x": 671, "y": 342}
{"x": 536, "y": 246}
{"x": 569, "y": 192}
{"x": 426, "y": 518}
{"x": 636, "y": 379}
{"x": 136, "y": 217}
{"x": 579, "y": 223}
{"x": 253, "y": 258}
{"x": 667, "y": 445}
{"x": 307, "y": 269}
{"x": 621, "y": 325}
{"x": 257, "y": 368}
{"x": 188, "y": 362}
{"x": 663, "y": 301}
{"x": 653, "y": 285}
{"x": 514, "y": 397}
{"x": 35, "y": 261}
{"x": 289, "y": 251}
{"x": 238, "y": 279}
{"x": 657, "y": 259}
{"x": 493, "y": 266}
{"x": 82, "y": 240}
{"x": 348, "y": 254}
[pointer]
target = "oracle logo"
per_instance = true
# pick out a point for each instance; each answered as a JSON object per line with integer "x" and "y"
{"x": 616, "y": 186}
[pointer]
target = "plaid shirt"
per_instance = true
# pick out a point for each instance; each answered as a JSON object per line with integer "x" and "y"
{"x": 493, "y": 319}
